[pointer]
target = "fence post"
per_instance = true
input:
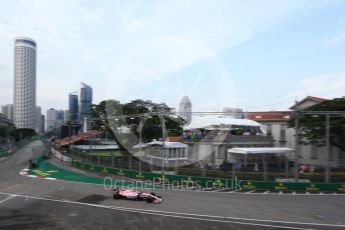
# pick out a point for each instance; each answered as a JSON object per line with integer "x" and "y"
{"x": 327, "y": 153}
{"x": 296, "y": 163}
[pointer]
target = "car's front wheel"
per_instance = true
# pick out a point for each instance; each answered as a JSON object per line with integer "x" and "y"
{"x": 150, "y": 200}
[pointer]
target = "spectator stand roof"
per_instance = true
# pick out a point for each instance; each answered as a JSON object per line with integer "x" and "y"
{"x": 96, "y": 147}
{"x": 262, "y": 150}
{"x": 167, "y": 144}
{"x": 215, "y": 122}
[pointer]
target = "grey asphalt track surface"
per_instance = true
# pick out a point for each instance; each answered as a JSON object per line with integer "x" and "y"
{"x": 28, "y": 203}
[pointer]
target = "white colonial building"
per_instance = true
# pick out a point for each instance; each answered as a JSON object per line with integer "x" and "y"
{"x": 274, "y": 123}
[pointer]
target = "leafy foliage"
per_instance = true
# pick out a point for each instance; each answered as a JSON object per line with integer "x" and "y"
{"x": 313, "y": 127}
{"x": 111, "y": 113}
{"x": 25, "y": 133}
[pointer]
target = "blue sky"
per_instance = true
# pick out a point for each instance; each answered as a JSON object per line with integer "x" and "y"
{"x": 256, "y": 55}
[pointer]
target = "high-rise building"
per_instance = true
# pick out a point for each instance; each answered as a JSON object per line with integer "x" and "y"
{"x": 7, "y": 110}
{"x": 38, "y": 124}
{"x": 85, "y": 105}
{"x": 185, "y": 110}
{"x": 25, "y": 83}
{"x": 61, "y": 116}
{"x": 42, "y": 122}
{"x": 73, "y": 107}
{"x": 67, "y": 116}
{"x": 53, "y": 119}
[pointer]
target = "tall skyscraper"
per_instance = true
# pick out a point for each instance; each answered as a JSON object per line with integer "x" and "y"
{"x": 25, "y": 83}
{"x": 42, "y": 122}
{"x": 185, "y": 110}
{"x": 67, "y": 116}
{"x": 54, "y": 118}
{"x": 85, "y": 105}
{"x": 7, "y": 110}
{"x": 61, "y": 116}
{"x": 73, "y": 107}
{"x": 38, "y": 125}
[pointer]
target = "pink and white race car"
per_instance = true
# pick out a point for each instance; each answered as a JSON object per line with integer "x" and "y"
{"x": 131, "y": 194}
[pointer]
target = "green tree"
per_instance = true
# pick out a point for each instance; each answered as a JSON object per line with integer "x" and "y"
{"x": 152, "y": 128}
{"x": 313, "y": 127}
{"x": 25, "y": 133}
{"x": 99, "y": 115}
{"x": 110, "y": 115}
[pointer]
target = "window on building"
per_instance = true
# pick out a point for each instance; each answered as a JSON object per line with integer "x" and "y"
{"x": 269, "y": 129}
{"x": 283, "y": 132}
{"x": 341, "y": 157}
{"x": 313, "y": 152}
{"x": 332, "y": 154}
{"x": 300, "y": 149}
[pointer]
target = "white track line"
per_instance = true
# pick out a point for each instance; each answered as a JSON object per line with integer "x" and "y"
{"x": 236, "y": 191}
{"x": 224, "y": 219}
{"x": 7, "y": 198}
{"x": 219, "y": 190}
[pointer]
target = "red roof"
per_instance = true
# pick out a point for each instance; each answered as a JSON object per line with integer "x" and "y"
{"x": 316, "y": 99}
{"x": 270, "y": 116}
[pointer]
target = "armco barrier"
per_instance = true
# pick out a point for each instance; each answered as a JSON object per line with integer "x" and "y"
{"x": 215, "y": 182}
{"x": 60, "y": 156}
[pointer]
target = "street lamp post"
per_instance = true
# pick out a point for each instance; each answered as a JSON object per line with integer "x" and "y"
{"x": 140, "y": 129}
{"x": 163, "y": 146}
{"x": 296, "y": 163}
{"x": 327, "y": 155}
{"x": 140, "y": 141}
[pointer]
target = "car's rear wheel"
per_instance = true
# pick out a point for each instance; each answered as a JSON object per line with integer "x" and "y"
{"x": 116, "y": 196}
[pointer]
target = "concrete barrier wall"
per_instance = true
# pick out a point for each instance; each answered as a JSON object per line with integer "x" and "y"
{"x": 215, "y": 182}
{"x": 60, "y": 156}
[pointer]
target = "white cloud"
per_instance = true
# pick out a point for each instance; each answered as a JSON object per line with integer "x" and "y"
{"x": 175, "y": 36}
{"x": 325, "y": 86}
{"x": 336, "y": 39}
{"x": 138, "y": 41}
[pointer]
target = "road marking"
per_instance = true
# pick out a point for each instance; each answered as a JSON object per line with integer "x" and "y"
{"x": 208, "y": 190}
{"x": 250, "y": 192}
{"x": 5, "y": 188}
{"x": 32, "y": 176}
{"x": 7, "y": 198}
{"x": 235, "y": 191}
{"x": 50, "y": 178}
{"x": 223, "y": 219}
{"x": 219, "y": 190}
{"x": 266, "y": 192}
